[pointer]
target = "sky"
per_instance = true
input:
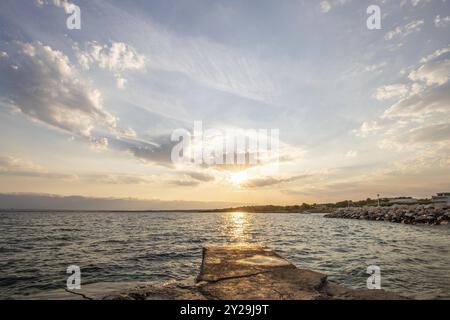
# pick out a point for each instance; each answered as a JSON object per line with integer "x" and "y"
{"x": 90, "y": 112}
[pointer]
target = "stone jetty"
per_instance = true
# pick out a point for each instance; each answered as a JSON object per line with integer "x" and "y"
{"x": 239, "y": 272}
{"x": 408, "y": 214}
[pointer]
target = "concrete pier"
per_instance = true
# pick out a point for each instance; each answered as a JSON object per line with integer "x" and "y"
{"x": 238, "y": 272}
{"x": 257, "y": 272}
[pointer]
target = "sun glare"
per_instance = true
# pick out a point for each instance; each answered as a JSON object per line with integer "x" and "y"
{"x": 238, "y": 177}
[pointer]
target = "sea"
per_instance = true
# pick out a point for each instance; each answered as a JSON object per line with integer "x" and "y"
{"x": 36, "y": 248}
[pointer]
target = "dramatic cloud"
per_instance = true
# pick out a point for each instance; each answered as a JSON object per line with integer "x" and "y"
{"x": 219, "y": 66}
{"x": 45, "y": 87}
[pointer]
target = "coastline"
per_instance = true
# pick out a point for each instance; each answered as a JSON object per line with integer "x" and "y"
{"x": 406, "y": 214}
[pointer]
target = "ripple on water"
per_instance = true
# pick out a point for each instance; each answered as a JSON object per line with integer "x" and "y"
{"x": 113, "y": 246}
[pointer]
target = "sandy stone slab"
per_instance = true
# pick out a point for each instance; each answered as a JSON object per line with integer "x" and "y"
{"x": 223, "y": 262}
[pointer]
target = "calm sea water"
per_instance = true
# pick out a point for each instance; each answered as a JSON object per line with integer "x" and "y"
{"x": 36, "y": 248}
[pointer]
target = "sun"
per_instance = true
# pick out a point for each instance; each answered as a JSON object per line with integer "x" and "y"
{"x": 238, "y": 177}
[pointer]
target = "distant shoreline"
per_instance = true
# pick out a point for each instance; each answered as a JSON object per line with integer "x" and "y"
{"x": 163, "y": 211}
{"x": 304, "y": 209}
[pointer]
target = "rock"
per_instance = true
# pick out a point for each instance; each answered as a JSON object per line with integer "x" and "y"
{"x": 256, "y": 272}
{"x": 407, "y": 214}
{"x": 155, "y": 290}
{"x": 228, "y": 273}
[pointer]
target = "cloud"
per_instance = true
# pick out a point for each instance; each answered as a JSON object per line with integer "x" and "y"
{"x": 436, "y": 99}
{"x": 269, "y": 181}
{"x": 367, "y": 128}
{"x": 117, "y": 58}
{"x": 64, "y": 4}
{"x": 351, "y": 154}
{"x": 36, "y": 201}
{"x": 99, "y": 144}
{"x": 391, "y": 91}
{"x": 119, "y": 179}
{"x": 14, "y": 166}
{"x": 441, "y": 22}
{"x": 293, "y": 193}
{"x": 121, "y": 82}
{"x": 433, "y": 133}
{"x": 191, "y": 178}
{"x": 375, "y": 67}
{"x": 433, "y": 72}
{"x": 403, "y": 31}
{"x": 185, "y": 183}
{"x": 209, "y": 63}
{"x": 325, "y": 6}
{"x": 47, "y": 88}
{"x": 420, "y": 120}
{"x": 200, "y": 176}
{"x": 435, "y": 54}
{"x": 158, "y": 151}
{"x": 415, "y": 3}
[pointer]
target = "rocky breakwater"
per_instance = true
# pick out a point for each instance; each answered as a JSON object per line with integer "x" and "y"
{"x": 408, "y": 214}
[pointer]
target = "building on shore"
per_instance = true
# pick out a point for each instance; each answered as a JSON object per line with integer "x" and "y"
{"x": 402, "y": 200}
{"x": 442, "y": 197}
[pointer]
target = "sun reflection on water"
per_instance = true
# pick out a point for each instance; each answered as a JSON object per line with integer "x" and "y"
{"x": 236, "y": 227}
